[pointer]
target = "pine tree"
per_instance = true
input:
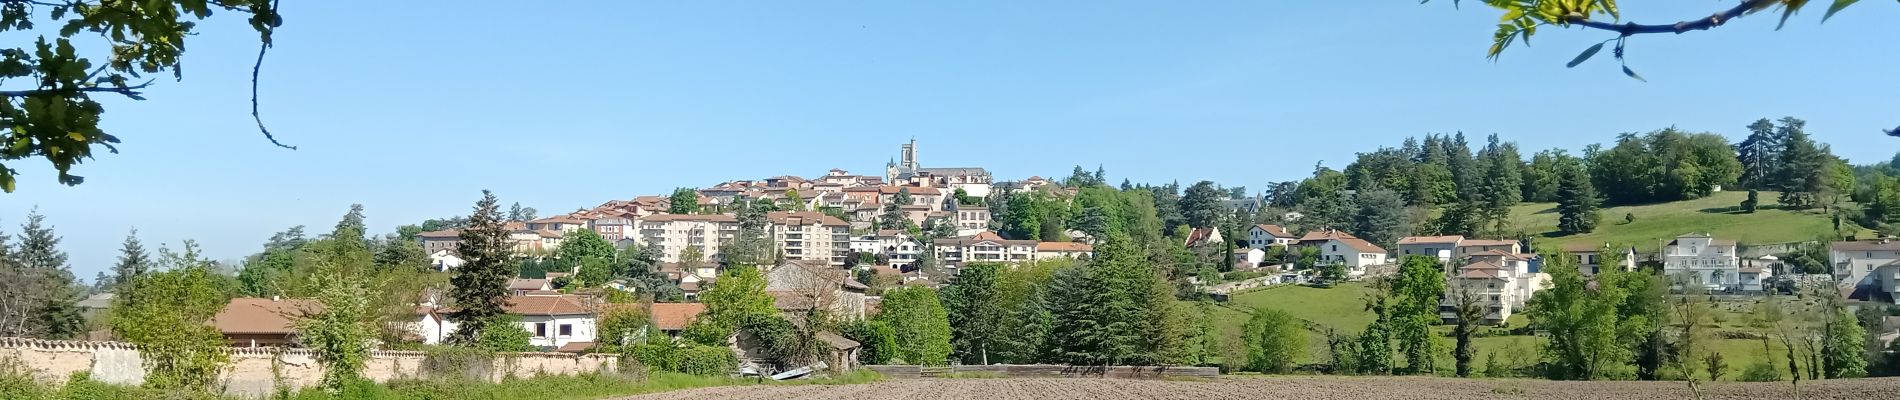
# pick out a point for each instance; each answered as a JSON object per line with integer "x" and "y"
{"x": 481, "y": 283}
{"x": 1803, "y": 166}
{"x": 1380, "y": 217}
{"x": 1201, "y": 205}
{"x": 894, "y": 216}
{"x": 1759, "y": 154}
{"x": 1501, "y": 183}
{"x": 133, "y": 262}
{"x": 1752, "y": 203}
{"x": 1576, "y": 203}
{"x": 54, "y": 295}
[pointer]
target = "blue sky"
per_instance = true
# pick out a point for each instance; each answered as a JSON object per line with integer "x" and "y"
{"x": 411, "y": 108}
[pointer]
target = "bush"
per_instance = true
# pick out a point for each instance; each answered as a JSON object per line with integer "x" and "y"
{"x": 1273, "y": 339}
{"x": 1761, "y": 372}
{"x": 505, "y": 334}
{"x": 878, "y": 339}
{"x": 663, "y": 356}
{"x": 708, "y": 361}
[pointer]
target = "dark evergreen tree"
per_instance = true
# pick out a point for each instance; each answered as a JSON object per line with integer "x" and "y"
{"x": 133, "y": 262}
{"x": 1465, "y": 172}
{"x": 1753, "y": 202}
{"x": 1803, "y": 173}
{"x": 1760, "y": 155}
{"x": 894, "y": 216}
{"x": 976, "y": 314}
{"x": 1501, "y": 184}
{"x": 1201, "y": 206}
{"x": 54, "y": 294}
{"x": 1380, "y": 218}
{"x": 1576, "y": 203}
{"x": 480, "y": 285}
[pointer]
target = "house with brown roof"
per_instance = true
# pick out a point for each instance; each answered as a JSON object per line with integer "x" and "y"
{"x": 1444, "y": 248}
{"x": 263, "y": 322}
{"x": 1341, "y": 247}
{"x": 671, "y": 318}
{"x": 554, "y": 323}
{"x": 1209, "y": 236}
{"x": 1053, "y": 250}
{"x": 1262, "y": 236}
{"x": 985, "y": 246}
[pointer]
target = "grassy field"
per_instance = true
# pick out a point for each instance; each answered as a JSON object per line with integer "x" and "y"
{"x": 1657, "y": 223}
{"x": 1342, "y": 307}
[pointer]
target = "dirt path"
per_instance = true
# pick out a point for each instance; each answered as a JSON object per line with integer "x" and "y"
{"x": 1300, "y": 388}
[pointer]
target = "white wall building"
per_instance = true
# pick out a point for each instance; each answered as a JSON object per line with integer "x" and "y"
{"x": 1501, "y": 281}
{"x": 1342, "y": 247}
{"x": 1873, "y": 268}
{"x": 1702, "y": 261}
{"x": 1263, "y": 235}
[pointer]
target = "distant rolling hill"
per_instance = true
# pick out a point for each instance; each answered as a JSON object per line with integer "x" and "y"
{"x": 1655, "y": 224}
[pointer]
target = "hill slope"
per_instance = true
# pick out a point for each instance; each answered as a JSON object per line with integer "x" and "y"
{"x": 1657, "y": 223}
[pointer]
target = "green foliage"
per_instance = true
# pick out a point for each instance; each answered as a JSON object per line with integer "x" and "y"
{"x": 1322, "y": 198}
{"x": 1201, "y": 204}
{"x": 504, "y": 333}
{"x": 480, "y": 285}
{"x": 737, "y": 295}
{"x": 894, "y": 216}
{"x": 683, "y": 201}
{"x": 164, "y": 313}
{"x": 1576, "y": 202}
{"x": 133, "y": 262}
{"x": 1113, "y": 309}
{"x": 1582, "y": 320}
{"x": 1843, "y": 355}
{"x": 921, "y": 325}
{"x": 784, "y": 343}
{"x": 1023, "y": 296}
{"x": 582, "y": 245}
{"x": 1380, "y": 218}
{"x": 1274, "y": 341}
{"x": 341, "y": 333}
{"x": 1501, "y": 185}
{"x": 622, "y": 327}
{"x": 1753, "y": 203}
{"x": 878, "y": 340}
{"x": 975, "y": 312}
{"x": 58, "y": 119}
{"x": 708, "y": 360}
{"x": 1664, "y": 165}
{"x": 40, "y": 298}
{"x": 659, "y": 356}
{"x": 1415, "y": 294}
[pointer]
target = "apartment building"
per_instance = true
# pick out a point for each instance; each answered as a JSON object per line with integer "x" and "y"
{"x": 673, "y": 233}
{"x": 1699, "y": 260}
{"x": 984, "y": 247}
{"x": 810, "y": 236}
{"x": 1502, "y": 282}
{"x": 972, "y": 217}
{"x": 1871, "y": 268}
{"x": 1591, "y": 258}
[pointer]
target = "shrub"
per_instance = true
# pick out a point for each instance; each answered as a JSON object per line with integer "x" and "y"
{"x": 663, "y": 356}
{"x": 1761, "y": 372}
{"x": 1273, "y": 340}
{"x": 505, "y": 334}
{"x": 708, "y": 361}
{"x": 17, "y": 381}
{"x": 878, "y": 339}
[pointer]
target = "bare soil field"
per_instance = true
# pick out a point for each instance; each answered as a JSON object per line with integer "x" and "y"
{"x": 1302, "y": 388}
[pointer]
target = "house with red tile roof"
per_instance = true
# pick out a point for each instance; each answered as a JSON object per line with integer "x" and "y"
{"x": 1341, "y": 247}
{"x": 1265, "y": 235}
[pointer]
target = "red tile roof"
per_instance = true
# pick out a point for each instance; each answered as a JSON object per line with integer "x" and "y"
{"x": 676, "y": 316}
{"x": 575, "y": 347}
{"x": 546, "y": 305}
{"x": 1064, "y": 246}
{"x": 251, "y": 315}
{"x": 1486, "y": 242}
{"x": 1275, "y": 230}
{"x": 804, "y": 218}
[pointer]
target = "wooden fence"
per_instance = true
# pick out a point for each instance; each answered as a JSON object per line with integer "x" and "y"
{"x": 1045, "y": 371}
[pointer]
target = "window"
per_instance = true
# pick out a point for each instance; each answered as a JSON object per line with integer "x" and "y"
{"x": 1335, "y": 247}
{"x": 540, "y": 329}
{"x": 567, "y": 330}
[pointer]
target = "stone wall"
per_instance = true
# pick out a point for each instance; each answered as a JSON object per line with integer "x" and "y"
{"x": 256, "y": 372}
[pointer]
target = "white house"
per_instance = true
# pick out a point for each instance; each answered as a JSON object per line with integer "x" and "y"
{"x": 986, "y": 246}
{"x": 1249, "y": 257}
{"x": 1263, "y": 235}
{"x": 1442, "y": 247}
{"x": 444, "y": 260}
{"x": 554, "y": 323}
{"x": 1873, "y": 267}
{"x": 1342, "y": 247}
{"x": 1700, "y": 260}
{"x": 1590, "y": 258}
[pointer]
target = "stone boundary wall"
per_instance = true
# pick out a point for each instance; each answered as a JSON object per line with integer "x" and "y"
{"x": 1046, "y": 371}
{"x": 257, "y": 372}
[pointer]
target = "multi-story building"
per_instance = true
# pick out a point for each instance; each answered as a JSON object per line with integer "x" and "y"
{"x": 1698, "y": 260}
{"x": 1444, "y": 248}
{"x": 898, "y": 247}
{"x": 810, "y": 236}
{"x": 972, "y": 217}
{"x": 1501, "y": 283}
{"x": 561, "y": 224}
{"x": 973, "y": 181}
{"x": 984, "y": 247}
{"x": 1053, "y": 250}
{"x": 615, "y": 228}
{"x": 525, "y": 241}
{"x": 1871, "y": 268}
{"x": 673, "y": 233}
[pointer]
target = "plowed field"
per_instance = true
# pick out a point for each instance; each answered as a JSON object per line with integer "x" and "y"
{"x": 1302, "y": 388}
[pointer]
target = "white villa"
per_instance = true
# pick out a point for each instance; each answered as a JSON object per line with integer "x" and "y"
{"x": 1701, "y": 260}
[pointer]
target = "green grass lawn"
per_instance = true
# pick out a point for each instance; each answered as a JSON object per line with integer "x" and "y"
{"x": 1342, "y": 307}
{"x": 1657, "y": 223}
